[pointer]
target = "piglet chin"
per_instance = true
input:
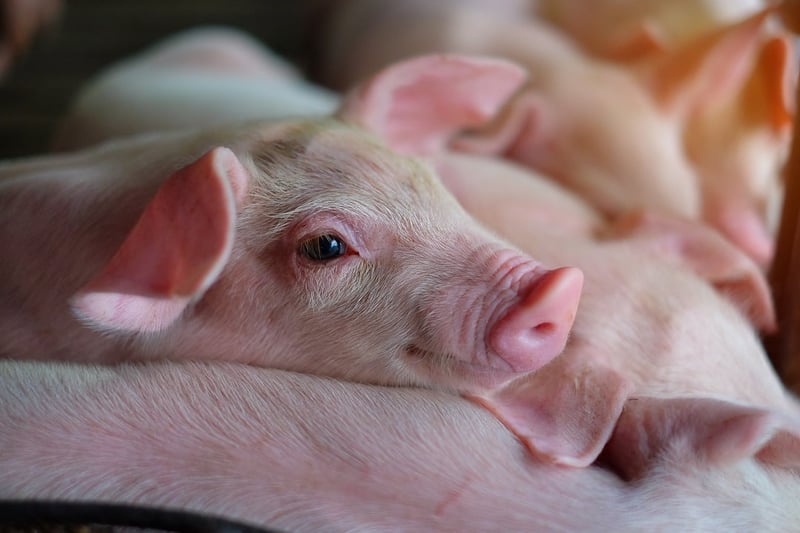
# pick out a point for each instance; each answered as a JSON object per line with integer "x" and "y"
{"x": 450, "y": 372}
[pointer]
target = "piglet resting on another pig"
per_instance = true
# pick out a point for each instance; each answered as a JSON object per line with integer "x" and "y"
{"x": 303, "y": 245}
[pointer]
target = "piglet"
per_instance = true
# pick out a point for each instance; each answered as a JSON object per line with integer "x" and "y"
{"x": 303, "y": 453}
{"x": 627, "y": 30}
{"x": 665, "y": 305}
{"x": 731, "y": 88}
{"x": 640, "y": 268}
{"x": 574, "y": 119}
{"x": 698, "y": 132}
{"x": 270, "y": 244}
{"x": 200, "y": 78}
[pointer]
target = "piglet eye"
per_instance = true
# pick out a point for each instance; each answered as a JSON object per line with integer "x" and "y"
{"x": 323, "y": 248}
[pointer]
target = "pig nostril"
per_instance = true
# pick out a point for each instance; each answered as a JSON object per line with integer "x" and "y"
{"x": 545, "y": 328}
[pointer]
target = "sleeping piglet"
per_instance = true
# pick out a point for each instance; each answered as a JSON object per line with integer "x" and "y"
{"x": 271, "y": 244}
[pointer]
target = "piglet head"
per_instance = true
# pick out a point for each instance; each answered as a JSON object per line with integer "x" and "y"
{"x": 366, "y": 257}
{"x": 313, "y": 247}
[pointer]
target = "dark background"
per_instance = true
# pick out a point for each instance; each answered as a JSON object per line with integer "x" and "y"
{"x": 90, "y": 34}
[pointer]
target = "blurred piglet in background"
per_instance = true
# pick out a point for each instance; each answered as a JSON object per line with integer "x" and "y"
{"x": 700, "y": 130}
{"x": 628, "y": 30}
{"x": 197, "y": 79}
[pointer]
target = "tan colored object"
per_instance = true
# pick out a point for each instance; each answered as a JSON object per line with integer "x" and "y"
{"x": 784, "y": 346}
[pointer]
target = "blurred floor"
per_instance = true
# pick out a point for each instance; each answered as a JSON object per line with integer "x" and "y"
{"x": 93, "y": 33}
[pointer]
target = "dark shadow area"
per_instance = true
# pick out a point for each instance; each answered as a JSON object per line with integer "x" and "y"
{"x": 93, "y": 33}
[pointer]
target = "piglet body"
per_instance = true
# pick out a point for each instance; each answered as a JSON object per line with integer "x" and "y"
{"x": 198, "y": 79}
{"x": 699, "y": 129}
{"x": 572, "y": 121}
{"x": 223, "y": 243}
{"x": 285, "y": 450}
{"x": 652, "y": 323}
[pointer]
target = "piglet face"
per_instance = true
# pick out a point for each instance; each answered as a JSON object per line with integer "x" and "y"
{"x": 347, "y": 249}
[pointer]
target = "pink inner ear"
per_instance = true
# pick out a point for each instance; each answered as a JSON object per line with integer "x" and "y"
{"x": 562, "y": 417}
{"x": 517, "y": 128}
{"x": 417, "y": 105}
{"x": 175, "y": 251}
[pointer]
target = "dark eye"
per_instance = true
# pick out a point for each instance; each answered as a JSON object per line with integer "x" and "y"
{"x": 323, "y": 248}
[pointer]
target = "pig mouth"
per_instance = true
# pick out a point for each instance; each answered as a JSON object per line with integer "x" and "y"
{"x": 447, "y": 369}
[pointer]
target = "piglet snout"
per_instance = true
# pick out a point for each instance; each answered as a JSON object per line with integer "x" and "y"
{"x": 534, "y": 330}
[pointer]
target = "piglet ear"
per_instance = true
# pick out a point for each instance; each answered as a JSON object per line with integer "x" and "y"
{"x": 704, "y": 251}
{"x": 702, "y": 432}
{"x": 417, "y": 105}
{"x": 707, "y": 69}
{"x": 522, "y": 130}
{"x": 175, "y": 251}
{"x": 562, "y": 417}
{"x": 645, "y": 40}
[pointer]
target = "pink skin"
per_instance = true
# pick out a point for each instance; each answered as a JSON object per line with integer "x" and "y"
{"x": 632, "y": 29}
{"x": 231, "y": 277}
{"x": 532, "y": 204}
{"x": 200, "y": 78}
{"x": 699, "y": 463}
{"x": 554, "y": 125}
{"x": 658, "y": 276}
{"x": 285, "y": 450}
{"x": 733, "y": 90}
{"x": 702, "y": 149}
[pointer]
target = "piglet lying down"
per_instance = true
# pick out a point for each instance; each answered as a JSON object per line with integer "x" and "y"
{"x": 305, "y": 453}
{"x": 304, "y": 245}
{"x": 565, "y": 413}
